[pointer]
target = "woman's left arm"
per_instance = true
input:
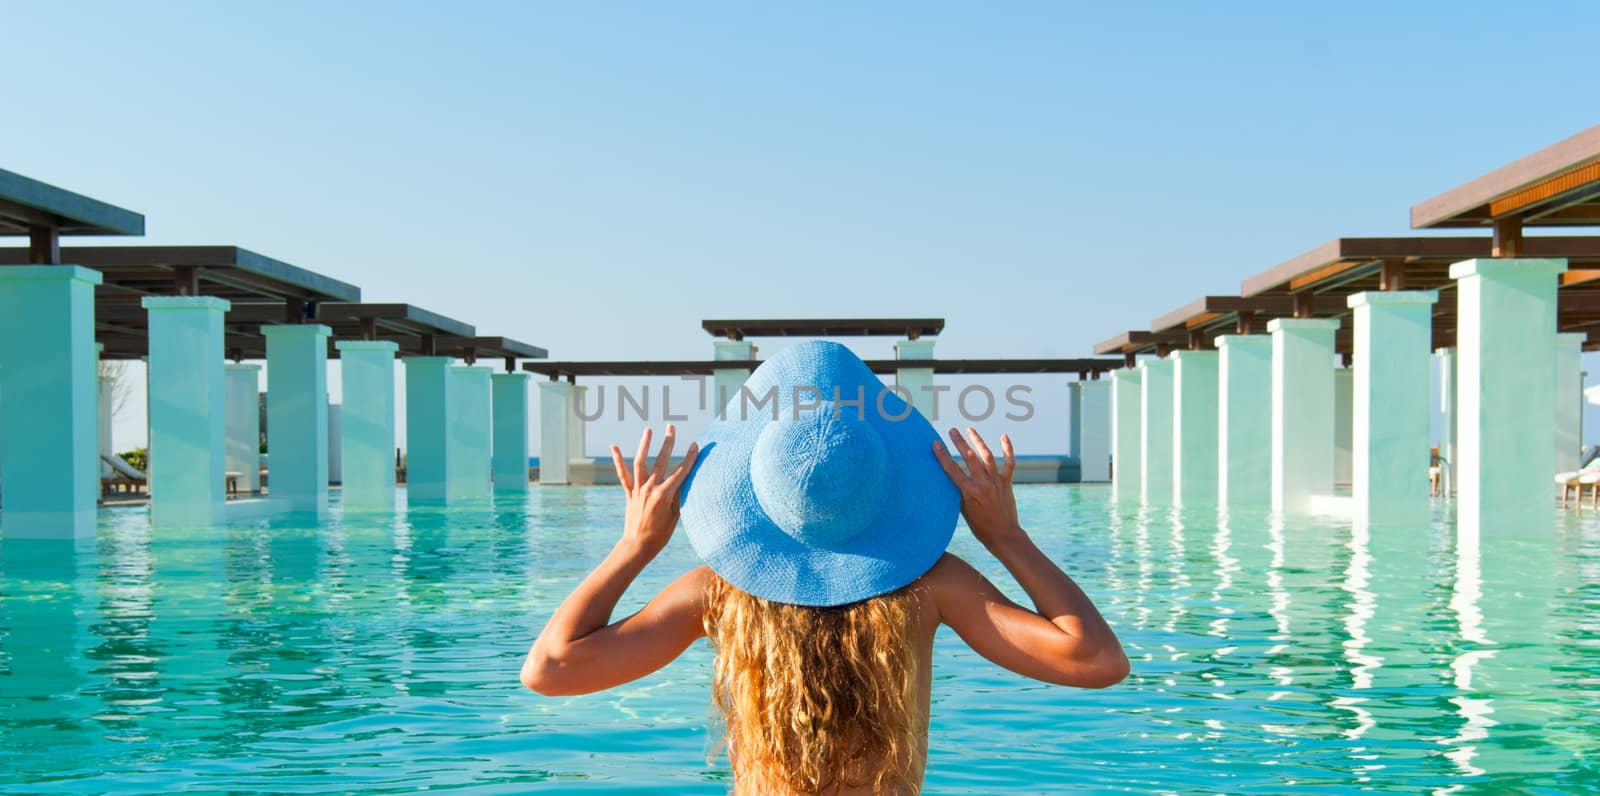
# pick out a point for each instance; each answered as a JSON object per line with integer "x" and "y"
{"x": 578, "y": 651}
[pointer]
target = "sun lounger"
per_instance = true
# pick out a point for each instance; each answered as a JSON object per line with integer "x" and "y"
{"x": 121, "y": 475}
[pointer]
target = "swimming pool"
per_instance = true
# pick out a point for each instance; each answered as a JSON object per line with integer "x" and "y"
{"x": 379, "y": 653}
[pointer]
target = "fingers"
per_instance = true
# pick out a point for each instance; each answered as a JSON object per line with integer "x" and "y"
{"x": 983, "y": 450}
{"x": 622, "y": 469}
{"x": 664, "y": 458}
{"x": 1010, "y": 465}
{"x": 641, "y": 458}
{"x": 951, "y": 469}
{"x": 975, "y": 469}
{"x": 681, "y": 472}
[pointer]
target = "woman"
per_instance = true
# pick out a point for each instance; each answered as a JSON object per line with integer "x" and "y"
{"x": 823, "y": 527}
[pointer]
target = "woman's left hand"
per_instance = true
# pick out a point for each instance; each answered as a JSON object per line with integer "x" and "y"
{"x": 652, "y": 490}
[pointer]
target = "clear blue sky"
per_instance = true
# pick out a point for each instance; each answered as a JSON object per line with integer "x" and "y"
{"x": 596, "y": 178}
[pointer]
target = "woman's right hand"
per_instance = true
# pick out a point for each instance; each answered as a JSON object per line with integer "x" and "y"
{"x": 652, "y": 490}
{"x": 986, "y": 497}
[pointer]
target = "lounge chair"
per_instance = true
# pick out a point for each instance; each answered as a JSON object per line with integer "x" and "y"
{"x": 1575, "y": 481}
{"x": 115, "y": 473}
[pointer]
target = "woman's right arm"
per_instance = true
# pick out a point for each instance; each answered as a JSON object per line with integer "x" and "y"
{"x": 1064, "y": 640}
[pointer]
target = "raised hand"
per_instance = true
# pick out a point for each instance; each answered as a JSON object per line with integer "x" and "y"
{"x": 986, "y": 498}
{"x": 652, "y": 490}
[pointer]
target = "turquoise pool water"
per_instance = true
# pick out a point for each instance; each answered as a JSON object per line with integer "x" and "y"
{"x": 379, "y": 654}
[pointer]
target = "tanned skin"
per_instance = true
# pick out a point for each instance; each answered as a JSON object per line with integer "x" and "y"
{"x": 1063, "y": 639}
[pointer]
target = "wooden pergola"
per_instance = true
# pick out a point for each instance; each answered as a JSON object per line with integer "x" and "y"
{"x": 260, "y": 289}
{"x": 44, "y": 213}
{"x": 1317, "y": 283}
{"x": 1558, "y": 186}
{"x": 1083, "y": 367}
{"x": 912, "y": 328}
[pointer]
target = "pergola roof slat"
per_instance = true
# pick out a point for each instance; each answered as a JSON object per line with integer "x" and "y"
{"x": 26, "y": 203}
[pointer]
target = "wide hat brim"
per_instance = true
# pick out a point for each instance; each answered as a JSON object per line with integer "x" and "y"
{"x": 737, "y": 539}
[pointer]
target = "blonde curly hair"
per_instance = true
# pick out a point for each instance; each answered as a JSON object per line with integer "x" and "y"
{"x": 814, "y": 700}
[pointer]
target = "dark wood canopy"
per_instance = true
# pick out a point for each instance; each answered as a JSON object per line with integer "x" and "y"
{"x": 572, "y": 370}
{"x": 1555, "y": 187}
{"x": 260, "y": 289}
{"x": 27, "y": 204}
{"x": 1316, "y": 284}
{"x": 824, "y": 327}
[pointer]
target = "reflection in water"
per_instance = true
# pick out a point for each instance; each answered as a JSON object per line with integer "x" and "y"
{"x": 1360, "y": 610}
{"x": 1475, "y": 710}
{"x": 378, "y": 652}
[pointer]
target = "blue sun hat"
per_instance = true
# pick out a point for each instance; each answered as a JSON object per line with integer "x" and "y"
{"x": 819, "y": 485}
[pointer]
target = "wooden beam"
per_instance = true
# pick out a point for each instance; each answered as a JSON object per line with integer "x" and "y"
{"x": 186, "y": 280}
{"x": 1507, "y": 237}
{"x": 1305, "y": 304}
{"x": 1392, "y": 274}
{"x": 44, "y": 245}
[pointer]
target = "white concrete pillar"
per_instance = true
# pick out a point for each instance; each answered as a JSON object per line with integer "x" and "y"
{"x": 1244, "y": 420}
{"x": 427, "y": 428}
{"x": 243, "y": 422}
{"x": 108, "y": 388}
{"x": 297, "y": 415}
{"x": 1390, "y": 413}
{"x": 725, "y": 382}
{"x": 1447, "y": 421}
{"x": 1343, "y": 426}
{"x": 917, "y": 382}
{"x": 1127, "y": 398}
{"x": 335, "y": 444}
{"x": 1091, "y": 429}
{"x": 1194, "y": 427}
{"x": 556, "y": 415}
{"x": 1569, "y": 400}
{"x": 1506, "y": 342}
{"x": 188, "y": 452}
{"x": 510, "y": 406}
{"x": 469, "y": 414}
{"x": 47, "y": 401}
{"x": 1302, "y": 411}
{"x": 1155, "y": 432}
{"x": 577, "y": 427}
{"x": 366, "y": 424}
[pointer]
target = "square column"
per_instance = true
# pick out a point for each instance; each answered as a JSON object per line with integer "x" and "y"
{"x": 510, "y": 405}
{"x": 1344, "y": 380}
{"x": 48, "y": 402}
{"x": 1194, "y": 427}
{"x": 470, "y": 437}
{"x": 1155, "y": 432}
{"x": 188, "y": 420}
{"x": 577, "y": 426}
{"x": 1244, "y": 420}
{"x": 335, "y": 445}
{"x": 1506, "y": 344}
{"x": 725, "y": 383}
{"x": 107, "y": 390}
{"x": 367, "y": 425}
{"x": 556, "y": 415}
{"x": 1390, "y": 414}
{"x": 428, "y": 429}
{"x": 1569, "y": 400}
{"x": 1091, "y": 433}
{"x": 1126, "y": 401}
{"x": 242, "y": 434}
{"x": 1447, "y": 421}
{"x": 1302, "y": 411}
{"x": 297, "y": 415}
{"x": 917, "y": 382}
